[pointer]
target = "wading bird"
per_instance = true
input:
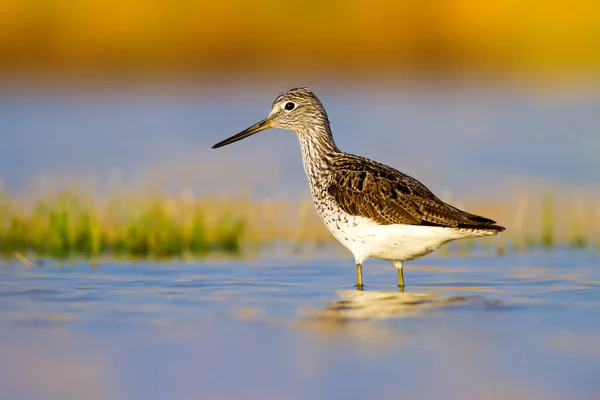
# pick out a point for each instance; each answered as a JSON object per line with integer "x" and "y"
{"x": 373, "y": 210}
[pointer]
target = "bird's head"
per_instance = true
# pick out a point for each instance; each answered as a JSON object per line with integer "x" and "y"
{"x": 297, "y": 110}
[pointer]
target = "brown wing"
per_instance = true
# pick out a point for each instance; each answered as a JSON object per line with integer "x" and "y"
{"x": 388, "y": 196}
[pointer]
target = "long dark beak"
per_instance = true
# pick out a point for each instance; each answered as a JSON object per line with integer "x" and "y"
{"x": 260, "y": 126}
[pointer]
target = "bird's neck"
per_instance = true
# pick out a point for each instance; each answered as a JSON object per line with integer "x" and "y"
{"x": 318, "y": 150}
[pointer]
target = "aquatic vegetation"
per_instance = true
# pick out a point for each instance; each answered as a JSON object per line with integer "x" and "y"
{"x": 547, "y": 226}
{"x": 150, "y": 225}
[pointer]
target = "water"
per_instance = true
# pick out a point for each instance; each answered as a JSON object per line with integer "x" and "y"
{"x": 474, "y": 140}
{"x": 516, "y": 327}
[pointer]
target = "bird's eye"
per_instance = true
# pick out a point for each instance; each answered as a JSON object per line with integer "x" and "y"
{"x": 290, "y": 106}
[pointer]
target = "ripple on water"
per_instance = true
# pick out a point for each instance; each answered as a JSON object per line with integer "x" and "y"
{"x": 299, "y": 329}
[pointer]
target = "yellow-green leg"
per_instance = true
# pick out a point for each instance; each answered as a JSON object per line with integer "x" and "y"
{"x": 398, "y": 265}
{"x": 359, "y": 281}
{"x": 400, "y": 281}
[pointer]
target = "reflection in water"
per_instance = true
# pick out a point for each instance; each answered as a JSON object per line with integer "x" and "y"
{"x": 355, "y": 305}
{"x": 353, "y": 314}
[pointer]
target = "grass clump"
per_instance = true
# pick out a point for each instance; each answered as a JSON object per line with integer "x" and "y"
{"x": 156, "y": 226}
{"x": 547, "y": 225}
{"x": 153, "y": 227}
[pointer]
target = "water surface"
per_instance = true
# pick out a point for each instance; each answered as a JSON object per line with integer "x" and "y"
{"x": 518, "y": 327}
{"x": 474, "y": 139}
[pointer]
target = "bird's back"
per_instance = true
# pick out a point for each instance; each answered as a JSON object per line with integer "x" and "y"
{"x": 362, "y": 187}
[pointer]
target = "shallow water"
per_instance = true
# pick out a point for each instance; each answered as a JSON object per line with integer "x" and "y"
{"x": 515, "y": 327}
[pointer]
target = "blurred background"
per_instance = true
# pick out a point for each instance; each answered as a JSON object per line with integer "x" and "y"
{"x": 109, "y": 189}
{"x": 108, "y": 110}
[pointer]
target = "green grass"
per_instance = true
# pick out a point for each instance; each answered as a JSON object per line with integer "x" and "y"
{"x": 68, "y": 225}
{"x": 547, "y": 225}
{"x": 153, "y": 226}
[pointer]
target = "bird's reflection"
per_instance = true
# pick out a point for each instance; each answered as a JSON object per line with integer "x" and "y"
{"x": 362, "y": 305}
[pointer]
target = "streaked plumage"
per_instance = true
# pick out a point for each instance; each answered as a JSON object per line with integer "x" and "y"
{"x": 372, "y": 209}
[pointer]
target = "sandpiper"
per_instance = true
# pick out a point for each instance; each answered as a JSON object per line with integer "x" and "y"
{"x": 373, "y": 210}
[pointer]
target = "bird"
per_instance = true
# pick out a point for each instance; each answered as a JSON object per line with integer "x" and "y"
{"x": 372, "y": 209}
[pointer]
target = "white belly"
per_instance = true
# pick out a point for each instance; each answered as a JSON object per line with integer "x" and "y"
{"x": 366, "y": 239}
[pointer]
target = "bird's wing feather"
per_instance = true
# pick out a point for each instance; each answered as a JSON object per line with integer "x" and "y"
{"x": 388, "y": 196}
